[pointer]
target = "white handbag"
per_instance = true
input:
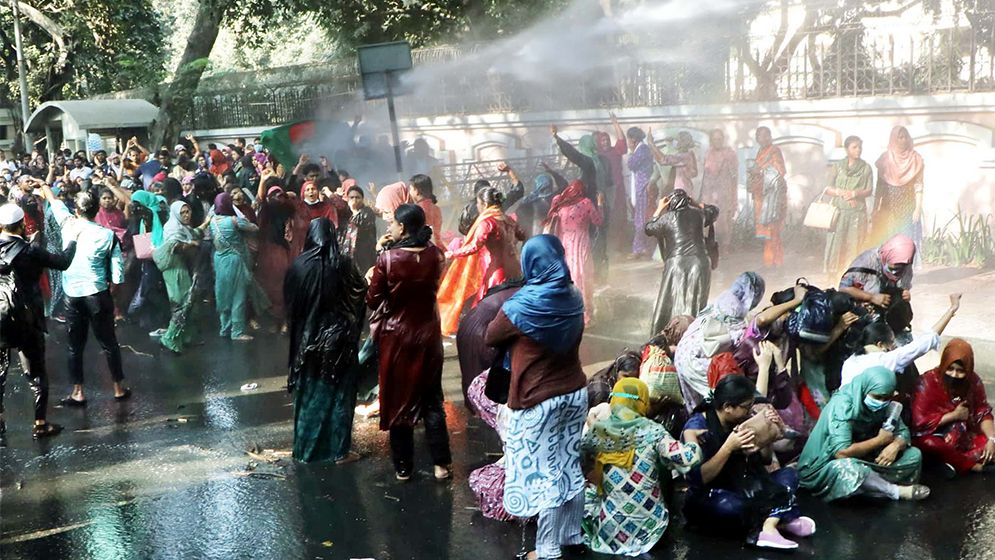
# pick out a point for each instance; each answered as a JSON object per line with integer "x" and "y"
{"x": 821, "y": 214}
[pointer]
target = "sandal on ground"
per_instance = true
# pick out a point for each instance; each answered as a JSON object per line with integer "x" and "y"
{"x": 913, "y": 493}
{"x": 443, "y": 472}
{"x": 45, "y": 430}
{"x": 123, "y": 396}
{"x": 350, "y": 457}
{"x": 70, "y": 402}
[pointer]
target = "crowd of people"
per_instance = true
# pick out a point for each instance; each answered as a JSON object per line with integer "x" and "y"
{"x": 748, "y": 404}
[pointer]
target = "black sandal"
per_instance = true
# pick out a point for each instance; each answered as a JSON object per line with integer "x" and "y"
{"x": 123, "y": 397}
{"x": 70, "y": 402}
{"x": 45, "y": 430}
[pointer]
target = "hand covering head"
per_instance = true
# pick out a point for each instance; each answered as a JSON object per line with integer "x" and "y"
{"x": 679, "y": 200}
{"x": 548, "y": 309}
{"x": 743, "y": 296}
{"x": 898, "y": 250}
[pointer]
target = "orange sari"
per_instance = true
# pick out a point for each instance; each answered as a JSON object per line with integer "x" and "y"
{"x": 462, "y": 279}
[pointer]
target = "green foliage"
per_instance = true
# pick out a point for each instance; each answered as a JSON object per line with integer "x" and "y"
{"x": 969, "y": 243}
{"x": 108, "y": 45}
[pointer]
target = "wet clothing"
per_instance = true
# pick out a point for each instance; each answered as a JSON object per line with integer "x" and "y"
{"x": 232, "y": 276}
{"x": 433, "y": 219}
{"x": 768, "y": 190}
{"x": 361, "y": 239}
{"x": 474, "y": 355}
{"x": 847, "y": 420}
{"x": 843, "y": 242}
{"x": 687, "y": 270}
{"x": 718, "y": 187}
{"x": 487, "y": 482}
{"x": 324, "y": 294}
{"x": 575, "y": 217}
{"x": 173, "y": 261}
{"x": 959, "y": 443}
{"x": 744, "y": 493}
{"x": 468, "y": 216}
{"x": 633, "y": 455}
{"x": 27, "y": 262}
{"x": 640, "y": 164}
{"x": 407, "y": 330}
{"x": 280, "y": 241}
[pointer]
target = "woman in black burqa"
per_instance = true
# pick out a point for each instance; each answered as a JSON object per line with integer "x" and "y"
{"x": 324, "y": 294}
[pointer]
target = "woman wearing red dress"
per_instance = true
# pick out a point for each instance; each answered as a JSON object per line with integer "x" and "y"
{"x": 487, "y": 258}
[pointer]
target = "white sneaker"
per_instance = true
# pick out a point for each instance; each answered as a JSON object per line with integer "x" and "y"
{"x": 157, "y": 333}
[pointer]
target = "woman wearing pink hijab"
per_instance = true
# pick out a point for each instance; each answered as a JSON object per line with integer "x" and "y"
{"x": 389, "y": 198}
{"x": 898, "y": 205}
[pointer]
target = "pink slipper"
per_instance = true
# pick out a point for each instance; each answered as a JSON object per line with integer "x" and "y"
{"x": 773, "y": 539}
{"x": 800, "y": 527}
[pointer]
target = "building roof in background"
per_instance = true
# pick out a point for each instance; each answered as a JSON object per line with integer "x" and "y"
{"x": 95, "y": 113}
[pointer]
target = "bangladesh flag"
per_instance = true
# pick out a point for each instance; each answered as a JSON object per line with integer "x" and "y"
{"x": 284, "y": 141}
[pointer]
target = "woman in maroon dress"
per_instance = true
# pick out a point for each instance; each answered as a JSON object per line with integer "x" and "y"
{"x": 406, "y": 328}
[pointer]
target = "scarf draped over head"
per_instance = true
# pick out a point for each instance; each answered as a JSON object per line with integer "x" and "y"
{"x": 675, "y": 329}
{"x": 174, "y": 228}
{"x": 938, "y": 394}
{"x": 324, "y": 298}
{"x": 743, "y": 296}
{"x": 573, "y": 194}
{"x": 464, "y": 276}
{"x": 348, "y": 184}
{"x": 617, "y": 437}
{"x": 899, "y": 165}
{"x": 877, "y": 380}
{"x": 148, "y": 200}
{"x": 223, "y": 205}
{"x": 549, "y": 308}
{"x": 900, "y": 249}
{"x": 392, "y": 196}
{"x": 589, "y": 148}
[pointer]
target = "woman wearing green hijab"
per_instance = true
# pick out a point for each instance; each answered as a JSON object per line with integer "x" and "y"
{"x": 858, "y": 447}
{"x": 631, "y": 453}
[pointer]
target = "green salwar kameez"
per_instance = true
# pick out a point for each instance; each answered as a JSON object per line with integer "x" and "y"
{"x": 323, "y": 414}
{"x": 231, "y": 271}
{"x": 846, "y": 241}
{"x": 180, "y": 285}
{"x": 847, "y": 420}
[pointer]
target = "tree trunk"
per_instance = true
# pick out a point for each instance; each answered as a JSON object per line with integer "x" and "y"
{"x": 176, "y": 99}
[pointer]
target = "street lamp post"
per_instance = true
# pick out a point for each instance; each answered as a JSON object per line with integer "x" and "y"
{"x": 21, "y": 75}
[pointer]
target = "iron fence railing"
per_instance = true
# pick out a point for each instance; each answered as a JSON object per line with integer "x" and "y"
{"x": 824, "y": 64}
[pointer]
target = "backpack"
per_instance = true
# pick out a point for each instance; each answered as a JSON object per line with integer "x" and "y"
{"x": 13, "y": 308}
{"x": 813, "y": 320}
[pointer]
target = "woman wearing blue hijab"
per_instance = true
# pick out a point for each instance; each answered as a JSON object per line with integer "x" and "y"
{"x": 542, "y": 326}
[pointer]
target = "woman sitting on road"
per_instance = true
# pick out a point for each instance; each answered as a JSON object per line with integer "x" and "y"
{"x": 951, "y": 417}
{"x": 733, "y": 487}
{"x": 860, "y": 447}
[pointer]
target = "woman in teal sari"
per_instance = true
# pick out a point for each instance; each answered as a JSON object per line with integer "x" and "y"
{"x": 232, "y": 278}
{"x": 324, "y": 294}
{"x": 172, "y": 256}
{"x": 859, "y": 448}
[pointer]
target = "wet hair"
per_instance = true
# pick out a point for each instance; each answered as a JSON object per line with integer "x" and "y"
{"x": 874, "y": 333}
{"x": 635, "y": 133}
{"x": 412, "y": 217}
{"x": 309, "y": 168}
{"x": 355, "y": 188}
{"x": 479, "y": 185}
{"x": 423, "y": 184}
{"x": 629, "y": 361}
{"x": 343, "y": 174}
{"x": 850, "y": 140}
{"x": 660, "y": 341}
{"x": 732, "y": 390}
{"x": 87, "y": 205}
{"x": 491, "y": 196}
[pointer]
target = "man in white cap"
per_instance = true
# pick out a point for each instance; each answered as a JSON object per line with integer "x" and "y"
{"x": 98, "y": 264}
{"x": 21, "y": 265}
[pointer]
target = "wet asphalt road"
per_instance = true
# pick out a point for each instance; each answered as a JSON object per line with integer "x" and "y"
{"x": 160, "y": 476}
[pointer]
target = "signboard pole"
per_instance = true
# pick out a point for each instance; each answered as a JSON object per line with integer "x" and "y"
{"x": 393, "y": 127}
